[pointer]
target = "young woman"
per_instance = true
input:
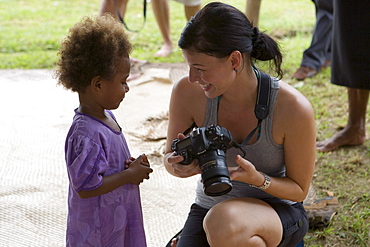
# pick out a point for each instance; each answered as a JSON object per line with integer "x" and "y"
{"x": 272, "y": 176}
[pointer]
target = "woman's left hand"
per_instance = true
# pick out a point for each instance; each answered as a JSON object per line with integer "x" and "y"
{"x": 246, "y": 172}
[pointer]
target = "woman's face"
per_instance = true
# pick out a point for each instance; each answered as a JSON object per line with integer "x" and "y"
{"x": 214, "y": 75}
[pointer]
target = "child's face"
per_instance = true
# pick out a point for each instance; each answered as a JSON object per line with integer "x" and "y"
{"x": 117, "y": 88}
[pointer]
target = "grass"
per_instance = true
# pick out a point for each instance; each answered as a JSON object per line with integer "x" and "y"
{"x": 31, "y": 31}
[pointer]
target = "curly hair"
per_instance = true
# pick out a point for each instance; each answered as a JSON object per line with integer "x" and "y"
{"x": 92, "y": 48}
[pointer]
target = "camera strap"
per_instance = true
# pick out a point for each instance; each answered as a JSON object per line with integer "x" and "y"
{"x": 261, "y": 109}
{"x": 123, "y": 21}
{"x": 187, "y": 131}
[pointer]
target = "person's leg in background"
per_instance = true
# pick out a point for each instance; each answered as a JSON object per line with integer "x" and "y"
{"x": 318, "y": 55}
{"x": 109, "y": 6}
{"x": 350, "y": 68}
{"x": 112, "y": 6}
{"x": 191, "y": 10}
{"x": 161, "y": 11}
{"x": 252, "y": 11}
{"x": 355, "y": 131}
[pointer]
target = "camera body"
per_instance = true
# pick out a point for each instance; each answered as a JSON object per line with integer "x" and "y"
{"x": 209, "y": 146}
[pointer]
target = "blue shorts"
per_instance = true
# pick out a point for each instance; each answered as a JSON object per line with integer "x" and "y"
{"x": 293, "y": 218}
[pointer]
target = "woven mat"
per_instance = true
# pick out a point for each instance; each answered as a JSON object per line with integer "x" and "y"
{"x": 36, "y": 116}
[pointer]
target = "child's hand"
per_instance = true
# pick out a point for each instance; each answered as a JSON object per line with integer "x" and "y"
{"x": 139, "y": 169}
{"x": 129, "y": 161}
{"x": 132, "y": 159}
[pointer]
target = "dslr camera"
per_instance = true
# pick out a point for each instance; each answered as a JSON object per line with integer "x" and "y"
{"x": 209, "y": 146}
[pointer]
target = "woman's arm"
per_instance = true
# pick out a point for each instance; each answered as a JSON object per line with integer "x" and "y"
{"x": 187, "y": 106}
{"x": 299, "y": 145}
{"x": 294, "y": 127}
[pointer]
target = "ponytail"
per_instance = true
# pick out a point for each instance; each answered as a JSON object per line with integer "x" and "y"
{"x": 266, "y": 49}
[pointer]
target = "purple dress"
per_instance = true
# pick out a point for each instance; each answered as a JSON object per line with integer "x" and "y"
{"x": 94, "y": 150}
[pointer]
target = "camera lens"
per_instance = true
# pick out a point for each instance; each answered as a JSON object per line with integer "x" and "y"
{"x": 217, "y": 186}
{"x": 215, "y": 175}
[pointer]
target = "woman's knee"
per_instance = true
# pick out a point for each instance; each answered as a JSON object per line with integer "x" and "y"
{"x": 240, "y": 222}
{"x": 218, "y": 223}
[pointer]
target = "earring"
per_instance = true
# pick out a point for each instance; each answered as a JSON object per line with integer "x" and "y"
{"x": 236, "y": 70}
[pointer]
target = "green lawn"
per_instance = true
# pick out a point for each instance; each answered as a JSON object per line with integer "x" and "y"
{"x": 31, "y": 31}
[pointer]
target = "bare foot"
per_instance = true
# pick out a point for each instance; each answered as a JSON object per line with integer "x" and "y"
{"x": 347, "y": 136}
{"x": 165, "y": 50}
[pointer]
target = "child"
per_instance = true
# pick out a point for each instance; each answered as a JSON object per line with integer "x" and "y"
{"x": 104, "y": 207}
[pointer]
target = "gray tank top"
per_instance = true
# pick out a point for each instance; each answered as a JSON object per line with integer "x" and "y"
{"x": 266, "y": 155}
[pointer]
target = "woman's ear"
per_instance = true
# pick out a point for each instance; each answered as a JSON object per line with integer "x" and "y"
{"x": 236, "y": 59}
{"x": 96, "y": 83}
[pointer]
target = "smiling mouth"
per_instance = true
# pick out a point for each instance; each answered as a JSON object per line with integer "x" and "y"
{"x": 204, "y": 86}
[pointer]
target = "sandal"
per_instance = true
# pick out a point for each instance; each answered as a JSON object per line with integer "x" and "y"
{"x": 321, "y": 212}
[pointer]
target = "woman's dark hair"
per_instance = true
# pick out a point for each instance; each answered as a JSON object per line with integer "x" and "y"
{"x": 219, "y": 29}
{"x": 94, "y": 47}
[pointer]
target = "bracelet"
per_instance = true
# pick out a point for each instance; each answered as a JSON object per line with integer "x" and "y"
{"x": 265, "y": 184}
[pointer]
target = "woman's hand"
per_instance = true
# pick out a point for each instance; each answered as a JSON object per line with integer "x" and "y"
{"x": 246, "y": 172}
{"x": 178, "y": 169}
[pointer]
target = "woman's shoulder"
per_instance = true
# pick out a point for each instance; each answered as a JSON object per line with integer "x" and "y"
{"x": 185, "y": 90}
{"x": 290, "y": 100}
{"x": 188, "y": 104}
{"x": 289, "y": 94}
{"x": 184, "y": 84}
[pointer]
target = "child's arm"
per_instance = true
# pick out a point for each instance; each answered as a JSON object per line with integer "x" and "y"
{"x": 137, "y": 171}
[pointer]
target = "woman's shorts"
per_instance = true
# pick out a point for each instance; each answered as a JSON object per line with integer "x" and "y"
{"x": 190, "y": 2}
{"x": 293, "y": 218}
